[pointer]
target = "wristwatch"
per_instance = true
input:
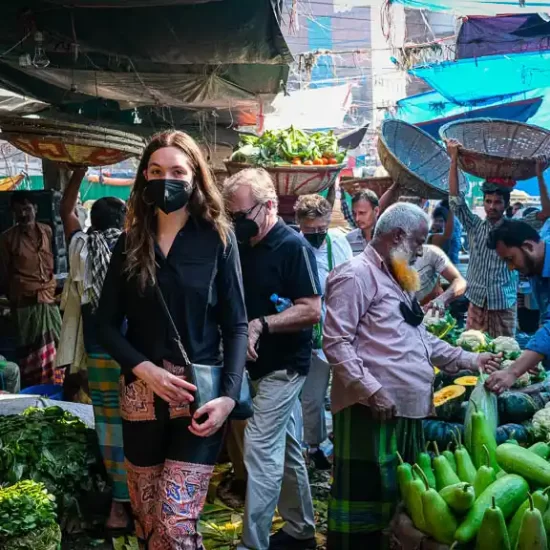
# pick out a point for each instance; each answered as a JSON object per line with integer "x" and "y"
{"x": 265, "y": 325}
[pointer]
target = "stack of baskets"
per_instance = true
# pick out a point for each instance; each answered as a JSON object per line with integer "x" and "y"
{"x": 416, "y": 161}
{"x": 87, "y": 145}
{"x": 498, "y": 149}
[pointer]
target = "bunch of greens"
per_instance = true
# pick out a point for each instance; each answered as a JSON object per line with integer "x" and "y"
{"x": 48, "y": 445}
{"x": 27, "y": 511}
{"x": 291, "y": 146}
{"x": 438, "y": 325}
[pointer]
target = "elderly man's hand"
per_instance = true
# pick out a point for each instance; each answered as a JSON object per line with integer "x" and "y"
{"x": 489, "y": 362}
{"x": 382, "y": 406}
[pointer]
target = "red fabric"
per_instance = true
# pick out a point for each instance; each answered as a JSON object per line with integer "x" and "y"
{"x": 502, "y": 182}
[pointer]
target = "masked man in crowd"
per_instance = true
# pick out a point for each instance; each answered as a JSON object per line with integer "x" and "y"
{"x": 382, "y": 359}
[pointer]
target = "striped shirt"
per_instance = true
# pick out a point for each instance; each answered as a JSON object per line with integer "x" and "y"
{"x": 490, "y": 283}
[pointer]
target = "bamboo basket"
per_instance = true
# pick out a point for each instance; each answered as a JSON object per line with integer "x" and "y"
{"x": 416, "y": 161}
{"x": 495, "y": 148}
{"x": 378, "y": 185}
{"x": 295, "y": 180}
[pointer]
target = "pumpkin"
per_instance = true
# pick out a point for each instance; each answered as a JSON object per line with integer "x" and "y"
{"x": 447, "y": 401}
{"x": 440, "y": 431}
{"x": 516, "y": 407}
{"x": 519, "y": 432}
{"x": 468, "y": 382}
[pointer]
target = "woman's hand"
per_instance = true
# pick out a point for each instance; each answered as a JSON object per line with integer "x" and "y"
{"x": 216, "y": 411}
{"x": 173, "y": 389}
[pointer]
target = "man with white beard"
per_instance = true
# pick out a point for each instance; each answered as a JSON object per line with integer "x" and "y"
{"x": 382, "y": 359}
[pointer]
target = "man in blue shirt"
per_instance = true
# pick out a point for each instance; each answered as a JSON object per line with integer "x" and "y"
{"x": 522, "y": 248}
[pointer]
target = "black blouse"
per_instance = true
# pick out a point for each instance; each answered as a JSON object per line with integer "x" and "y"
{"x": 201, "y": 281}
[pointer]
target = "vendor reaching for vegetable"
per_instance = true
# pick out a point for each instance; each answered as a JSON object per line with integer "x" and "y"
{"x": 382, "y": 358}
{"x": 521, "y": 247}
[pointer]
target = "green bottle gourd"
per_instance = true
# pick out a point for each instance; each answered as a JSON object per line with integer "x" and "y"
{"x": 493, "y": 534}
{"x": 444, "y": 475}
{"x": 424, "y": 461}
{"x": 540, "y": 502}
{"x": 449, "y": 455}
{"x": 482, "y": 435}
{"x": 415, "y": 491}
{"x": 460, "y": 497}
{"x": 542, "y": 449}
{"x": 485, "y": 474}
{"x": 404, "y": 477}
{"x": 532, "y": 535}
{"x": 440, "y": 521}
{"x": 465, "y": 469}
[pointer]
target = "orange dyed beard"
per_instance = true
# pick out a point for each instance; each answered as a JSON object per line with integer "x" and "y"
{"x": 406, "y": 275}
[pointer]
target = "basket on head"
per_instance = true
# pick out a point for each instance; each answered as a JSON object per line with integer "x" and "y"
{"x": 295, "y": 180}
{"x": 498, "y": 149}
{"x": 416, "y": 161}
{"x": 377, "y": 184}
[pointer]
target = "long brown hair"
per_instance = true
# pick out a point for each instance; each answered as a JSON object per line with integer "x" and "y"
{"x": 206, "y": 202}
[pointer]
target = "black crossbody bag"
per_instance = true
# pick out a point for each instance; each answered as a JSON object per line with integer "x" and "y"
{"x": 207, "y": 378}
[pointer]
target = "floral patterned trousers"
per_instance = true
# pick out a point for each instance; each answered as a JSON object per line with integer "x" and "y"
{"x": 168, "y": 467}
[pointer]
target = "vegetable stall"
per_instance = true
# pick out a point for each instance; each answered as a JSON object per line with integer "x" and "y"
{"x": 483, "y": 480}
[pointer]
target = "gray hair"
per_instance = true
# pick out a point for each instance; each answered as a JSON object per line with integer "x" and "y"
{"x": 402, "y": 215}
{"x": 259, "y": 181}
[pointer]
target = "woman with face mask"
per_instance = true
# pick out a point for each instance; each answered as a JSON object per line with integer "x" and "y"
{"x": 313, "y": 213}
{"x": 178, "y": 249}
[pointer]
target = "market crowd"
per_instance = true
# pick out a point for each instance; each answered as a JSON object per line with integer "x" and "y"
{"x": 190, "y": 291}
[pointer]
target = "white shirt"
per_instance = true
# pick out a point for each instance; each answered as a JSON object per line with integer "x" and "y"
{"x": 430, "y": 266}
{"x": 341, "y": 252}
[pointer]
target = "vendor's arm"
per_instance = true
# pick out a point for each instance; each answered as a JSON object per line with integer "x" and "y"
{"x": 347, "y": 302}
{"x": 537, "y": 218}
{"x": 390, "y": 197}
{"x": 456, "y": 201}
{"x": 67, "y": 208}
{"x": 457, "y": 286}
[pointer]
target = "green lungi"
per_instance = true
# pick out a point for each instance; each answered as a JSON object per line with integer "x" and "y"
{"x": 364, "y": 492}
{"x": 103, "y": 382}
{"x": 38, "y": 330}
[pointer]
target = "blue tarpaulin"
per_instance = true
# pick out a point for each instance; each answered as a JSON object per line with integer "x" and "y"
{"x": 469, "y": 80}
{"x": 479, "y": 7}
{"x": 431, "y": 110}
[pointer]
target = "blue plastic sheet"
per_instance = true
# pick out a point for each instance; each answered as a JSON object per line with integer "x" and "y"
{"x": 478, "y": 7}
{"x": 470, "y": 80}
{"x": 431, "y": 110}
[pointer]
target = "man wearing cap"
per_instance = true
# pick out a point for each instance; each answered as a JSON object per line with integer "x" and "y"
{"x": 492, "y": 286}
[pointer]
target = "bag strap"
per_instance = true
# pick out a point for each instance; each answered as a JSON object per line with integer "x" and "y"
{"x": 177, "y": 337}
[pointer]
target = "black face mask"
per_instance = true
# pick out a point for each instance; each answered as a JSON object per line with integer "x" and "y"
{"x": 316, "y": 239}
{"x": 245, "y": 229}
{"x": 413, "y": 315}
{"x": 168, "y": 195}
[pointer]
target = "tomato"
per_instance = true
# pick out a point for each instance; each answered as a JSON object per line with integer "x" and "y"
{"x": 333, "y": 161}
{"x": 325, "y": 160}
{"x": 296, "y": 161}
{"x": 308, "y": 163}
{"x": 318, "y": 162}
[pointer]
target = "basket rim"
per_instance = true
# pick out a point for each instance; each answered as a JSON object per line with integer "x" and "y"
{"x": 291, "y": 168}
{"x": 461, "y": 173}
{"x": 60, "y": 124}
{"x": 85, "y": 142}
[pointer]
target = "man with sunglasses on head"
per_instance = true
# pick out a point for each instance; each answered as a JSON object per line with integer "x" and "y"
{"x": 382, "y": 359}
{"x": 276, "y": 260}
{"x": 313, "y": 213}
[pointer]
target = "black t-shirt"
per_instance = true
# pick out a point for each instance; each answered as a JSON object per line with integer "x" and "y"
{"x": 201, "y": 283}
{"x": 281, "y": 263}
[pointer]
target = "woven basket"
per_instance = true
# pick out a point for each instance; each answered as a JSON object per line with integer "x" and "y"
{"x": 493, "y": 148}
{"x": 15, "y": 123}
{"x": 73, "y": 148}
{"x": 295, "y": 180}
{"x": 415, "y": 160}
{"x": 377, "y": 185}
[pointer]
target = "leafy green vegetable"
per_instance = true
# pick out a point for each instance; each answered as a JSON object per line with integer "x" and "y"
{"x": 50, "y": 446}
{"x": 439, "y": 326}
{"x": 25, "y": 507}
{"x": 276, "y": 147}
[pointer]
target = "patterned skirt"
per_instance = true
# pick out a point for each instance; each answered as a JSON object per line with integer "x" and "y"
{"x": 364, "y": 492}
{"x": 103, "y": 382}
{"x": 38, "y": 330}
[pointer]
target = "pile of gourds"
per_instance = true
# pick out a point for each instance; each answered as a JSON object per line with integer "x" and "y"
{"x": 493, "y": 496}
